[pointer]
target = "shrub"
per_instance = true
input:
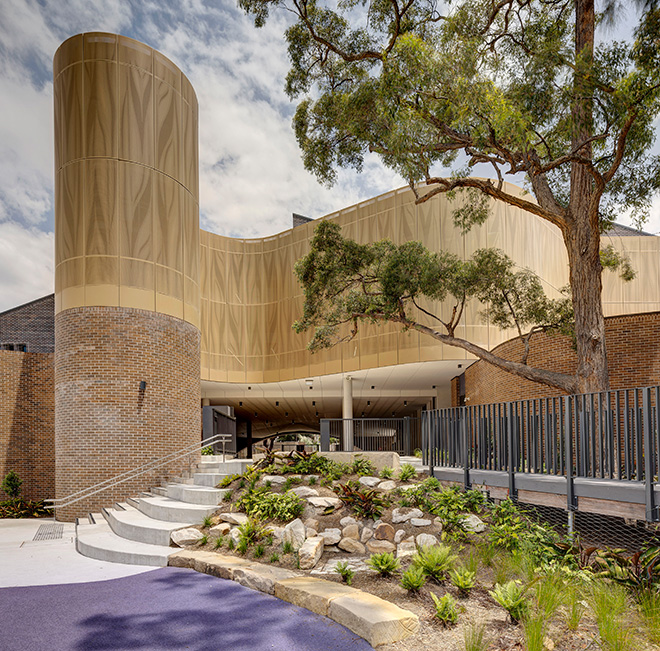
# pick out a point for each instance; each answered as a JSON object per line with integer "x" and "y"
{"x": 365, "y": 502}
{"x": 11, "y": 484}
{"x": 252, "y": 531}
{"x": 511, "y": 596}
{"x": 22, "y": 508}
{"x": 434, "y": 561}
{"x": 407, "y": 472}
{"x": 363, "y": 467}
{"x": 228, "y": 480}
{"x": 385, "y": 564}
{"x": 312, "y": 480}
{"x": 343, "y": 569}
{"x": 207, "y": 451}
{"x": 264, "y": 505}
{"x": 445, "y": 609}
{"x": 413, "y": 579}
{"x": 417, "y": 453}
{"x": 463, "y": 579}
{"x": 387, "y": 473}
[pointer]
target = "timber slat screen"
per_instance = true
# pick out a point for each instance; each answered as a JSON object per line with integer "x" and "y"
{"x": 613, "y": 435}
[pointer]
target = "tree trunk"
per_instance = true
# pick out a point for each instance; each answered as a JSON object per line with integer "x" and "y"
{"x": 582, "y": 233}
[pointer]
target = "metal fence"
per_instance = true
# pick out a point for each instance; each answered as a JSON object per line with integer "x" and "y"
{"x": 613, "y": 435}
{"x": 401, "y": 435}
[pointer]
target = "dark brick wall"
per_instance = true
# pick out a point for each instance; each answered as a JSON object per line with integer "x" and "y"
{"x": 32, "y": 324}
{"x": 27, "y": 422}
{"x": 633, "y": 348}
{"x": 105, "y": 425}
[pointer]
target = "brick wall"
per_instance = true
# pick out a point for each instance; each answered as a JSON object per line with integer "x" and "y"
{"x": 32, "y": 324}
{"x": 27, "y": 422}
{"x": 105, "y": 424}
{"x": 633, "y": 348}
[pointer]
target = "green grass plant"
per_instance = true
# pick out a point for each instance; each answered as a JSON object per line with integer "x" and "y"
{"x": 219, "y": 542}
{"x": 203, "y": 540}
{"x": 611, "y": 608}
{"x": 287, "y": 547}
{"x": 649, "y": 607}
{"x": 227, "y": 497}
{"x": 474, "y": 637}
{"x": 274, "y": 558}
{"x": 231, "y": 545}
{"x": 207, "y": 522}
{"x": 534, "y": 630}
{"x": 259, "y": 550}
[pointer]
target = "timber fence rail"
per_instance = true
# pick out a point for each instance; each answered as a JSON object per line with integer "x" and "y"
{"x": 612, "y": 438}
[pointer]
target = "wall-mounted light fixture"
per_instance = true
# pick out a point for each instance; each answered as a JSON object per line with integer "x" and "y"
{"x": 143, "y": 385}
{"x": 277, "y": 403}
{"x": 460, "y": 366}
{"x": 405, "y": 403}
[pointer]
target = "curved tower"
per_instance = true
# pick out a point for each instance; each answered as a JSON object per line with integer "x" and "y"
{"x": 127, "y": 340}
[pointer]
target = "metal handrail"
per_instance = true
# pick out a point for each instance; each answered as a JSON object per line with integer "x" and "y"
{"x": 59, "y": 502}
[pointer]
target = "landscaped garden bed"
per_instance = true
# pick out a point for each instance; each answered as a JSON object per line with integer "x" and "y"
{"x": 478, "y": 575}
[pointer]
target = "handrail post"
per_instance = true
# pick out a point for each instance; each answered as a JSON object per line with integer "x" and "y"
{"x": 325, "y": 435}
{"x": 571, "y": 502}
{"x": 406, "y": 436}
{"x": 512, "y": 456}
{"x": 649, "y": 458}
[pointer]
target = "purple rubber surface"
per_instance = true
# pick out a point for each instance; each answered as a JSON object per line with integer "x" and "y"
{"x": 168, "y": 608}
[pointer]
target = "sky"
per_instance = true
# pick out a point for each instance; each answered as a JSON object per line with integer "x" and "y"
{"x": 251, "y": 175}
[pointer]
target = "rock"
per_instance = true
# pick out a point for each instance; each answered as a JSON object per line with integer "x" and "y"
{"x": 379, "y": 546}
{"x": 377, "y": 522}
{"x": 235, "y": 535}
{"x": 275, "y": 480}
{"x": 187, "y": 536}
{"x": 351, "y": 546}
{"x": 312, "y": 523}
{"x": 277, "y": 533}
{"x": 384, "y": 531}
{"x": 310, "y": 593}
{"x": 310, "y": 533}
{"x": 404, "y": 514}
{"x": 473, "y": 523}
{"x": 310, "y": 553}
{"x": 294, "y": 533}
{"x": 304, "y": 491}
{"x": 548, "y": 643}
{"x": 420, "y": 522}
{"x": 345, "y": 521}
{"x": 426, "y": 540}
{"x": 351, "y": 531}
{"x": 324, "y": 502}
{"x": 399, "y": 536}
{"x": 375, "y": 620}
{"x": 331, "y": 536}
{"x": 221, "y": 529}
{"x": 405, "y": 549}
{"x": 388, "y": 485}
{"x": 370, "y": 482}
{"x": 437, "y": 522}
{"x": 233, "y": 518}
{"x": 367, "y": 534}
{"x": 261, "y": 577}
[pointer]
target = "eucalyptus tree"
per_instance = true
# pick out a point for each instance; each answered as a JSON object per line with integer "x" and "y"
{"x": 529, "y": 88}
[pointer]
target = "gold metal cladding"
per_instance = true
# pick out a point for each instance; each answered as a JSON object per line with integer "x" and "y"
{"x": 126, "y": 178}
{"x": 250, "y": 298}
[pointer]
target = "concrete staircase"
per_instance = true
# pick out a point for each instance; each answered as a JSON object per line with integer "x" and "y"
{"x": 137, "y": 531}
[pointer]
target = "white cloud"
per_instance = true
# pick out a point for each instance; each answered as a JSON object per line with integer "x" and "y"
{"x": 26, "y": 264}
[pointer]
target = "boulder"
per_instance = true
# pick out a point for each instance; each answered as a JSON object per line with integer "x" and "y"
{"x": 310, "y": 553}
{"x": 399, "y": 536}
{"x": 233, "y": 518}
{"x": 380, "y": 546}
{"x": 310, "y": 533}
{"x": 387, "y": 485}
{"x": 312, "y": 523}
{"x": 351, "y": 546}
{"x": 405, "y": 549}
{"x": 187, "y": 536}
{"x": 346, "y": 520}
{"x": 369, "y": 482}
{"x": 384, "y": 531}
{"x": 351, "y": 531}
{"x": 426, "y": 540}
{"x": 473, "y": 523}
{"x": 294, "y": 533}
{"x": 324, "y": 502}
{"x": 367, "y": 534}
{"x": 304, "y": 491}
{"x": 235, "y": 535}
{"x": 221, "y": 529}
{"x": 404, "y": 514}
{"x": 277, "y": 533}
{"x": 331, "y": 536}
{"x": 420, "y": 522}
{"x": 275, "y": 480}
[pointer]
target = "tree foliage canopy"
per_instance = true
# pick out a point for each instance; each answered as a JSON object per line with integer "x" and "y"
{"x": 526, "y": 87}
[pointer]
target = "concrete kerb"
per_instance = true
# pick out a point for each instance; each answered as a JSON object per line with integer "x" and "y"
{"x": 374, "y": 619}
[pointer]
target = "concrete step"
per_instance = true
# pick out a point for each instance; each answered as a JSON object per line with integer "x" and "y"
{"x": 169, "y": 510}
{"x": 159, "y": 490}
{"x": 98, "y": 541}
{"x": 192, "y": 494}
{"x": 211, "y": 479}
{"x": 229, "y": 467}
{"x": 127, "y": 522}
